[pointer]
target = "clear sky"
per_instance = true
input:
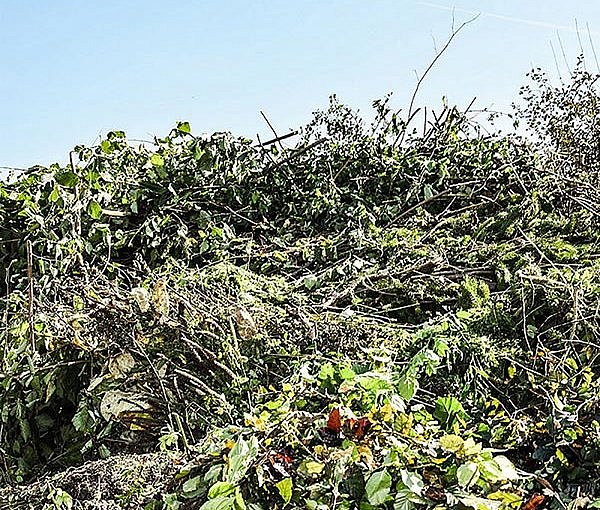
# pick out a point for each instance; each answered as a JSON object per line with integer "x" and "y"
{"x": 72, "y": 70}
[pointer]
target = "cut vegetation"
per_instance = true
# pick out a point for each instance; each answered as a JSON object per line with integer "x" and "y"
{"x": 383, "y": 316}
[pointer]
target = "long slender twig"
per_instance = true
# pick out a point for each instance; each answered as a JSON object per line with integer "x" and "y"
{"x": 409, "y": 115}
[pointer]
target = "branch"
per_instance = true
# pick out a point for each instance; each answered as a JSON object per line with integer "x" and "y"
{"x": 400, "y": 137}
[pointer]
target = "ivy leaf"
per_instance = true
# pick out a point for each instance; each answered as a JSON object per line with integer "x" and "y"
{"x": 184, "y": 127}
{"x": 378, "y": 487}
{"x": 285, "y": 489}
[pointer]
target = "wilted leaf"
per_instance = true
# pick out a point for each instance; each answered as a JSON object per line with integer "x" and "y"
{"x": 160, "y": 298}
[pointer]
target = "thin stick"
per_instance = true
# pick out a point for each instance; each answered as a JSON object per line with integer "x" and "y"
{"x": 556, "y": 62}
{"x": 400, "y": 137}
{"x": 272, "y": 128}
{"x": 579, "y": 41}
{"x": 562, "y": 49}
{"x": 587, "y": 26}
{"x": 279, "y": 138}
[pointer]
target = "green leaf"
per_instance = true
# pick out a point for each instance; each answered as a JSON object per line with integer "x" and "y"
{"x": 238, "y": 500}
{"x": 467, "y": 474}
{"x": 54, "y": 195}
{"x": 313, "y": 467}
{"x": 407, "y": 500}
{"x": 508, "y": 498}
{"x": 310, "y": 282}
{"x": 81, "y": 419}
{"x": 67, "y": 179}
{"x": 157, "y": 160}
{"x": 378, "y": 486}
{"x": 192, "y": 484}
{"x": 106, "y": 146}
{"x": 407, "y": 388}
{"x": 347, "y": 374}
{"x": 285, "y": 489}
{"x": 490, "y": 471}
{"x": 507, "y": 468}
{"x": 427, "y": 191}
{"x": 477, "y": 503}
{"x": 472, "y": 447}
{"x": 464, "y": 314}
{"x": 412, "y": 481}
{"x": 449, "y": 412}
{"x": 184, "y": 127}
{"x": 240, "y": 458}
{"x": 220, "y": 503}
{"x": 218, "y": 489}
{"x": 94, "y": 209}
{"x": 326, "y": 371}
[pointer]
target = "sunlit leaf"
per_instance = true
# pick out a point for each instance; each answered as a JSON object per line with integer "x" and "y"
{"x": 285, "y": 489}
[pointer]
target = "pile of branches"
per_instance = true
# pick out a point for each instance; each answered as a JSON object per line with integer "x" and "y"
{"x": 163, "y": 289}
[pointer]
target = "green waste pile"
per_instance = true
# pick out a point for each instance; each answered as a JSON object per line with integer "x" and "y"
{"x": 378, "y": 317}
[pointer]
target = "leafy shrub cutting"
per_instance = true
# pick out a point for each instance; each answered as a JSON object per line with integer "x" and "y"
{"x": 377, "y": 317}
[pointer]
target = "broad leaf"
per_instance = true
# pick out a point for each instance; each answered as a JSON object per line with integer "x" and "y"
{"x": 378, "y": 487}
{"x": 285, "y": 489}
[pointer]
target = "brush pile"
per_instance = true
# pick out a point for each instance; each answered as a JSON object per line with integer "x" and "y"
{"x": 378, "y": 317}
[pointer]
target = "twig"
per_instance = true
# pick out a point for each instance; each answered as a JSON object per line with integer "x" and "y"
{"x": 279, "y": 138}
{"x": 417, "y": 205}
{"x": 299, "y": 152}
{"x": 400, "y": 137}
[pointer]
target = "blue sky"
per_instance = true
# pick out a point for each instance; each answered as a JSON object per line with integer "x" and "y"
{"x": 73, "y": 70}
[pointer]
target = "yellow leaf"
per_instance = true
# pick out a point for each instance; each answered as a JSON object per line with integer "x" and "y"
{"x": 313, "y": 467}
{"x": 452, "y": 443}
